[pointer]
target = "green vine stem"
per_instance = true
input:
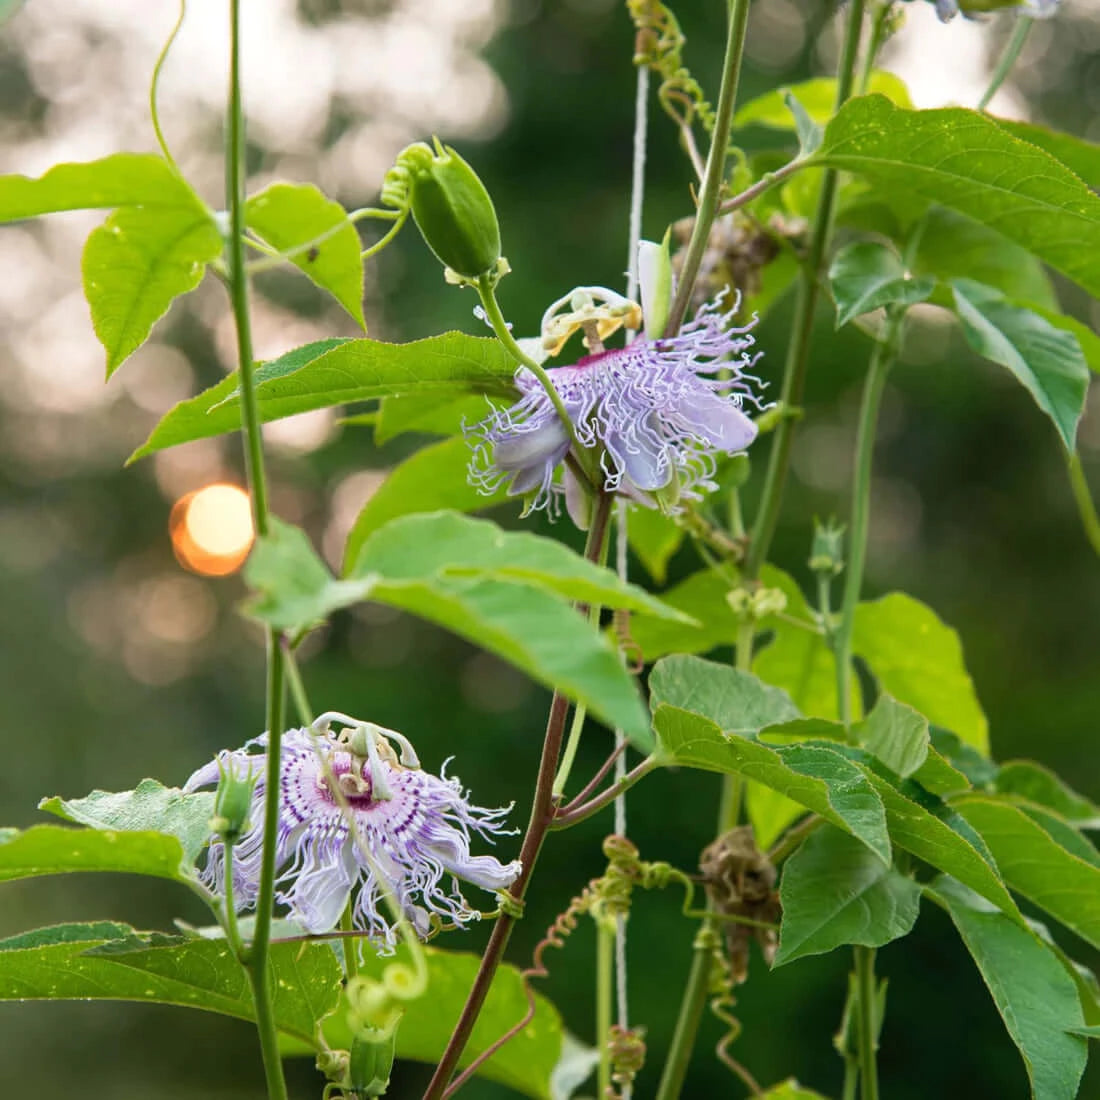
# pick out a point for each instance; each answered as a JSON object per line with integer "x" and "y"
{"x": 542, "y": 815}
{"x": 1007, "y": 59}
{"x": 232, "y": 929}
{"x": 868, "y": 1037}
{"x": 256, "y": 955}
{"x": 882, "y": 358}
{"x": 1085, "y": 506}
{"x": 798, "y": 351}
{"x": 154, "y": 87}
{"x": 605, "y": 955}
{"x": 714, "y": 176}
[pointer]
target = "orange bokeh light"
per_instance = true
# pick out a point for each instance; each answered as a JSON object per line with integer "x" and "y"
{"x": 212, "y": 529}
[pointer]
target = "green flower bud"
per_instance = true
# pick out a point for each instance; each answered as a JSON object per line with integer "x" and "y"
{"x": 452, "y": 209}
{"x": 371, "y": 1062}
{"x": 232, "y": 801}
{"x": 827, "y": 549}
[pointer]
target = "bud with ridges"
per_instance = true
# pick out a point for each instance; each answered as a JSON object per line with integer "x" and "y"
{"x": 371, "y": 1062}
{"x": 827, "y": 549}
{"x": 452, "y": 209}
{"x": 232, "y": 801}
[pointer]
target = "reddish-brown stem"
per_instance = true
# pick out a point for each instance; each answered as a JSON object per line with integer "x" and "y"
{"x": 542, "y": 815}
{"x": 564, "y": 818}
{"x": 595, "y": 781}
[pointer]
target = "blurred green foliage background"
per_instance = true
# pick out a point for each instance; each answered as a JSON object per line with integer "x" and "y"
{"x": 116, "y": 663}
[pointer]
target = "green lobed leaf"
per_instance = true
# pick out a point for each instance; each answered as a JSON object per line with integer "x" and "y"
{"x": 916, "y": 824}
{"x": 76, "y": 962}
{"x": 1035, "y": 865}
{"x": 975, "y": 766}
{"x": 918, "y": 659}
{"x": 338, "y": 372}
{"x": 949, "y": 245}
{"x": 149, "y": 807}
{"x": 136, "y": 264}
{"x": 432, "y": 414}
{"x": 818, "y": 98}
{"x": 1047, "y": 361}
{"x": 430, "y": 479}
{"x": 505, "y": 592}
{"x": 810, "y": 133}
{"x": 868, "y": 275}
{"x": 1079, "y": 155}
{"x": 1061, "y": 831}
{"x": 526, "y": 1063}
{"x": 962, "y": 159}
{"x": 703, "y": 596}
{"x": 939, "y": 776}
{"x": 654, "y": 538}
{"x": 894, "y": 733}
{"x": 1027, "y": 779}
{"x": 122, "y": 179}
{"x": 1035, "y": 996}
{"x": 293, "y": 588}
{"x": 418, "y": 546}
{"x": 1087, "y": 340}
{"x": 57, "y": 849}
{"x": 834, "y": 891}
{"x": 289, "y": 215}
{"x": 1088, "y": 987}
{"x": 789, "y": 1090}
{"x": 733, "y": 700}
{"x": 814, "y": 776}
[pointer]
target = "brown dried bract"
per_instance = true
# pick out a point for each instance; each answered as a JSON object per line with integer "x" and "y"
{"x": 740, "y": 882}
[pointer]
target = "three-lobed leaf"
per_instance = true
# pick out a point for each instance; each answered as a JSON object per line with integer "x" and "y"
{"x": 148, "y": 807}
{"x": 58, "y": 849}
{"x": 963, "y": 159}
{"x": 339, "y": 372}
{"x": 868, "y": 275}
{"x": 430, "y": 479}
{"x": 507, "y": 592}
{"x": 78, "y": 962}
{"x": 122, "y": 179}
{"x": 818, "y": 99}
{"x": 1029, "y": 780}
{"x": 835, "y": 891}
{"x": 316, "y": 234}
{"x": 1035, "y": 865}
{"x": 1046, "y": 360}
{"x": 918, "y": 659}
{"x": 1035, "y": 996}
{"x": 896, "y": 734}
{"x": 137, "y": 263}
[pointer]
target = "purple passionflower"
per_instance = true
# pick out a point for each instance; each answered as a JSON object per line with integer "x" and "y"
{"x": 657, "y": 412}
{"x": 411, "y": 829}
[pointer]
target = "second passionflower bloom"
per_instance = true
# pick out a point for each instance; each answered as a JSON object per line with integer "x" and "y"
{"x": 656, "y": 412}
{"x": 403, "y": 832}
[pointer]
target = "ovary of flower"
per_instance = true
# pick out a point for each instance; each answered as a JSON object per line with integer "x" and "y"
{"x": 403, "y": 832}
{"x": 586, "y": 306}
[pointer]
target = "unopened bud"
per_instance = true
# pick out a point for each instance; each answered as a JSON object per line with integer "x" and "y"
{"x": 452, "y": 209}
{"x": 233, "y": 800}
{"x": 827, "y": 548}
{"x": 371, "y": 1062}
